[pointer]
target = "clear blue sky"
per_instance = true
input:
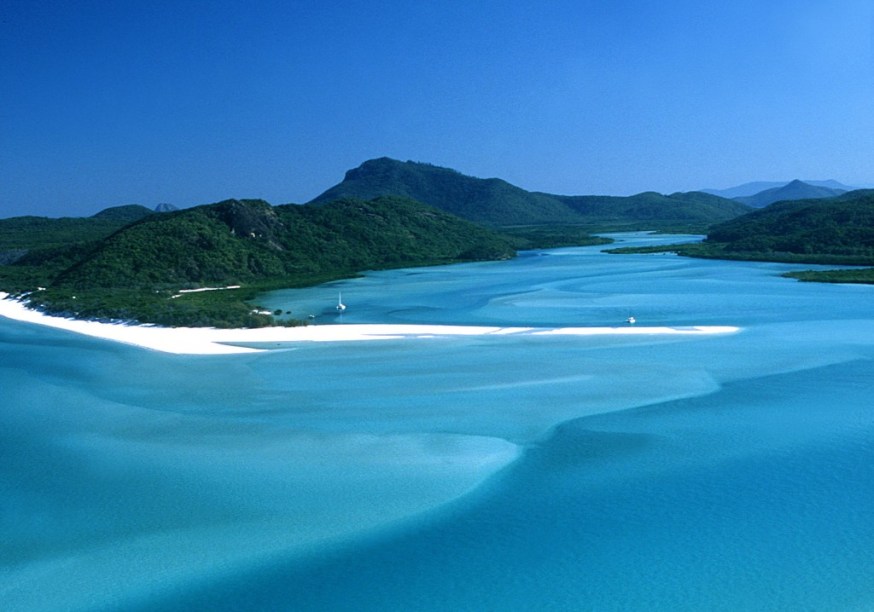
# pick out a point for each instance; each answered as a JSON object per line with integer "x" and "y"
{"x": 116, "y": 102}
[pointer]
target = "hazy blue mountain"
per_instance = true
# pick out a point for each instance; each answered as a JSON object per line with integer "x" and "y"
{"x": 164, "y": 207}
{"x": 832, "y": 184}
{"x": 747, "y": 189}
{"x": 795, "y": 190}
{"x": 751, "y": 189}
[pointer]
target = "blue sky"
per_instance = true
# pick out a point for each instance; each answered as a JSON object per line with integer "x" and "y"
{"x": 109, "y": 103}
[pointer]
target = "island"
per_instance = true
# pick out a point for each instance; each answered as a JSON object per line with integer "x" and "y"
{"x": 205, "y": 266}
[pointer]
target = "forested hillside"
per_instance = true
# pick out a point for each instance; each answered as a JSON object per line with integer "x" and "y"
{"x": 244, "y": 241}
{"x": 130, "y": 263}
{"x": 499, "y": 204}
{"x": 651, "y": 210}
{"x": 133, "y": 273}
{"x": 835, "y": 231}
{"x": 20, "y": 235}
{"x": 840, "y": 228}
{"x": 490, "y": 201}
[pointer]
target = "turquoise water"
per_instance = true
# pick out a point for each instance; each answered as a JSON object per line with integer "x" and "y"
{"x": 485, "y": 473}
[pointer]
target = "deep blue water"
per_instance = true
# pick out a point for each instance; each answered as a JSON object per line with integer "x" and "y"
{"x": 648, "y": 473}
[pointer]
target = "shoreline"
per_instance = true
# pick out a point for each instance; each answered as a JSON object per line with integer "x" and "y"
{"x": 213, "y": 341}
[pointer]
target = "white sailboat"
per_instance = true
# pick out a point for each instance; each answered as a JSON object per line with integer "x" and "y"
{"x": 340, "y": 305}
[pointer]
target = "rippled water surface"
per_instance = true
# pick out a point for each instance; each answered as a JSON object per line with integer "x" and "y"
{"x": 485, "y": 473}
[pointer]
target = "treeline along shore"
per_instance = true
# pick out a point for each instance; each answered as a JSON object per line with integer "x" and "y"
{"x": 133, "y": 264}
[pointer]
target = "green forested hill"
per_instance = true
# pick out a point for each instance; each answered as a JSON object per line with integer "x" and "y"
{"x": 19, "y": 235}
{"x": 836, "y": 231}
{"x": 498, "y": 203}
{"x": 654, "y": 210}
{"x": 245, "y": 241}
{"x": 839, "y": 228}
{"x": 124, "y": 214}
{"x": 126, "y": 261}
{"x": 133, "y": 273}
{"x": 490, "y": 201}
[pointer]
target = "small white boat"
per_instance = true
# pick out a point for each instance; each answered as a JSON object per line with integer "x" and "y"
{"x": 340, "y": 305}
{"x": 631, "y": 320}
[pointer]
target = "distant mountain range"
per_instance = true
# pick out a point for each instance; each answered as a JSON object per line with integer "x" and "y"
{"x": 836, "y": 231}
{"x": 743, "y": 193}
{"x": 498, "y": 203}
{"x": 490, "y": 201}
{"x": 795, "y": 190}
{"x": 125, "y": 262}
{"x": 840, "y": 227}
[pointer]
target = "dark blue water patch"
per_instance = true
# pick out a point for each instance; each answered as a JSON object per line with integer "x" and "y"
{"x": 756, "y": 497}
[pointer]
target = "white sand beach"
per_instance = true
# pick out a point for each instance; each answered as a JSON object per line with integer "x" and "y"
{"x": 212, "y": 341}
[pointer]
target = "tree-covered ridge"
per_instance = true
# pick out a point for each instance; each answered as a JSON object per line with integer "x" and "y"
{"x": 128, "y": 263}
{"x": 841, "y": 227}
{"x": 20, "y": 235}
{"x": 498, "y": 203}
{"x": 247, "y": 241}
{"x": 489, "y": 201}
{"x": 656, "y": 210}
{"x": 127, "y": 213}
{"x": 134, "y": 273}
{"x": 835, "y": 231}
{"x": 178, "y": 249}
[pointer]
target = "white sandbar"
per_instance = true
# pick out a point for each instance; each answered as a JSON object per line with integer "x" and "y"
{"x": 211, "y": 341}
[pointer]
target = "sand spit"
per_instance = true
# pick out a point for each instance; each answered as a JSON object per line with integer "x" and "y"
{"x": 211, "y": 341}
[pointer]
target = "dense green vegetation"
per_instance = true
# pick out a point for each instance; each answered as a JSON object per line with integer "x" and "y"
{"x": 236, "y": 242}
{"x": 490, "y": 201}
{"x": 132, "y": 273}
{"x": 834, "y": 231}
{"x": 128, "y": 263}
{"x": 43, "y": 247}
{"x": 20, "y": 235}
{"x": 551, "y": 236}
{"x": 499, "y": 204}
{"x": 859, "y": 276}
{"x": 691, "y": 212}
{"x": 841, "y": 227}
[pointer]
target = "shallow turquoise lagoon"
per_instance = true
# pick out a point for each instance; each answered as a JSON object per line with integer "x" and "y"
{"x": 730, "y": 472}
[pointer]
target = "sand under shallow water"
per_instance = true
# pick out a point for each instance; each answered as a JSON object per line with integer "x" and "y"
{"x": 211, "y": 341}
{"x": 478, "y": 444}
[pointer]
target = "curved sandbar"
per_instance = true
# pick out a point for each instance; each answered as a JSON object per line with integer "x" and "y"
{"x": 211, "y": 341}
